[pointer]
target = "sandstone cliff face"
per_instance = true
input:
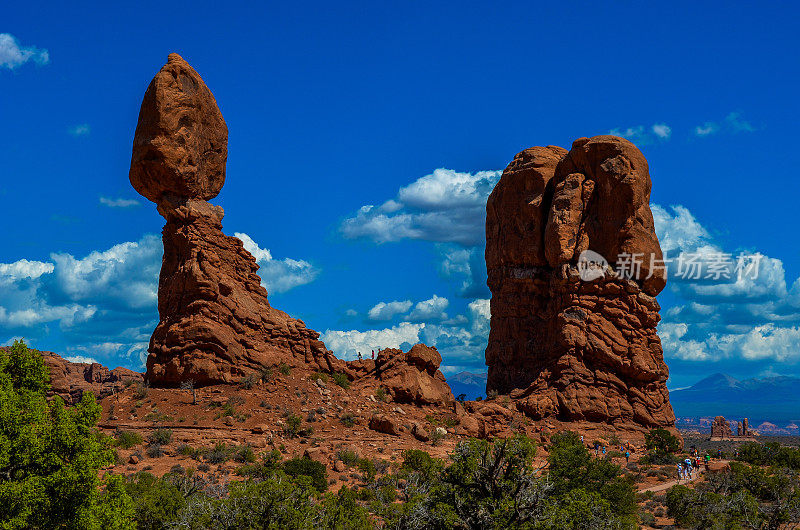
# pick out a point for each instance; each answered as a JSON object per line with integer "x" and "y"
{"x": 564, "y": 347}
{"x": 216, "y": 324}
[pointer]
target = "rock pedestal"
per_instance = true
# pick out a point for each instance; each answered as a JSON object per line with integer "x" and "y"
{"x": 216, "y": 324}
{"x": 571, "y": 339}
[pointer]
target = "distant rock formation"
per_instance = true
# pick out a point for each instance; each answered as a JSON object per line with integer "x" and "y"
{"x": 70, "y": 380}
{"x": 570, "y": 338}
{"x": 743, "y": 428}
{"x": 720, "y": 428}
{"x": 216, "y": 324}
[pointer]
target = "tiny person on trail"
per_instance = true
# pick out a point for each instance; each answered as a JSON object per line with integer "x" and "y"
{"x": 680, "y": 472}
{"x": 627, "y": 456}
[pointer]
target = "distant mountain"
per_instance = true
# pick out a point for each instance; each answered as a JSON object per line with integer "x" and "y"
{"x": 471, "y": 384}
{"x": 773, "y": 399}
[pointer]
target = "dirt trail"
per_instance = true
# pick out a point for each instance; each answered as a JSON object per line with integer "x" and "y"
{"x": 666, "y": 485}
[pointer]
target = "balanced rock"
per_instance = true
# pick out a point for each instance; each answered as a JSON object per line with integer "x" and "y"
{"x": 216, "y": 324}
{"x": 573, "y": 337}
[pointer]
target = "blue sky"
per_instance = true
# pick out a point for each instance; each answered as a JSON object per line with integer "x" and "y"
{"x": 414, "y": 111}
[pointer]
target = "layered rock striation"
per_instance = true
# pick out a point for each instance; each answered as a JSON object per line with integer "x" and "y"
{"x": 573, "y": 337}
{"x": 215, "y": 322}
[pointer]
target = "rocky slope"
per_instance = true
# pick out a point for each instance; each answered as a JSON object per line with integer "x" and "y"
{"x": 574, "y": 341}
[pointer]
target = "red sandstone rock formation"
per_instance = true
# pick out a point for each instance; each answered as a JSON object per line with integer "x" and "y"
{"x": 408, "y": 377}
{"x": 216, "y": 324}
{"x": 566, "y": 348}
{"x": 720, "y": 428}
{"x": 413, "y": 376}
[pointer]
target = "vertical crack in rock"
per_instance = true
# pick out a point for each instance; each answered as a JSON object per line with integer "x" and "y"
{"x": 564, "y": 347}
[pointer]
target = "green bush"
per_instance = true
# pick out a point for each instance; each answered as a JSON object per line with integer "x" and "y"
{"x": 348, "y": 419}
{"x": 341, "y": 380}
{"x": 661, "y": 441}
{"x": 160, "y": 436}
{"x": 348, "y": 457}
{"x": 284, "y": 368}
{"x": 292, "y": 426}
{"x": 157, "y": 502}
{"x": 319, "y": 376}
{"x": 127, "y": 439}
{"x": 417, "y": 460}
{"x": 249, "y": 381}
{"x": 244, "y": 454}
{"x": 305, "y": 467}
{"x": 51, "y": 455}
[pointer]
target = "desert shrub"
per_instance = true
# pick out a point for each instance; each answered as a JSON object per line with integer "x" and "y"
{"x": 572, "y": 468}
{"x": 380, "y": 394}
{"x": 342, "y": 511}
{"x": 285, "y": 369}
{"x": 744, "y": 497}
{"x": 267, "y": 467}
{"x": 155, "y": 450}
{"x": 157, "y": 502}
{"x": 156, "y": 416}
{"x": 249, "y": 381}
{"x": 647, "y": 518}
{"x": 266, "y": 373}
{"x": 348, "y": 419}
{"x": 160, "y": 436}
{"x": 291, "y": 427}
{"x": 319, "y": 376}
{"x": 367, "y": 468}
{"x": 305, "y": 467}
{"x": 244, "y": 454}
{"x": 341, "y": 380}
{"x": 348, "y": 457}
{"x": 418, "y": 461}
{"x": 127, "y": 439}
{"x": 491, "y": 394}
{"x": 221, "y": 453}
{"x": 141, "y": 390}
{"x": 769, "y": 454}
{"x": 187, "y": 450}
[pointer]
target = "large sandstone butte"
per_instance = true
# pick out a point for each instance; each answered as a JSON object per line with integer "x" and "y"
{"x": 216, "y": 324}
{"x": 566, "y": 348}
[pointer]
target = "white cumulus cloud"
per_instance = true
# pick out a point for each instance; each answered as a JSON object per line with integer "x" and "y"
{"x": 428, "y": 310}
{"x": 445, "y": 206}
{"x": 278, "y": 275}
{"x": 383, "y": 311}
